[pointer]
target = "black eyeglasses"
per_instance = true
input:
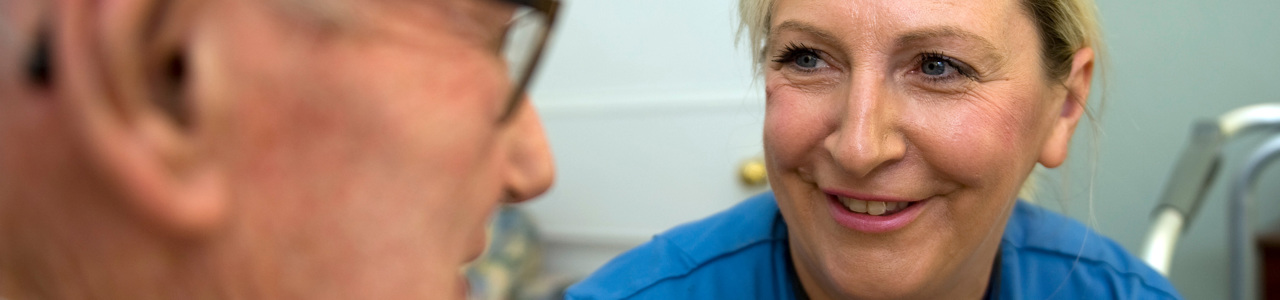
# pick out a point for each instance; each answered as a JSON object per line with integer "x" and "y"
{"x": 523, "y": 43}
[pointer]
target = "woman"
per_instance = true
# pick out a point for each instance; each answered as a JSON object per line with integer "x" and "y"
{"x": 897, "y": 136}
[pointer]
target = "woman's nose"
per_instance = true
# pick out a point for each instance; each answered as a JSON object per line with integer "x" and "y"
{"x": 531, "y": 169}
{"x": 868, "y": 134}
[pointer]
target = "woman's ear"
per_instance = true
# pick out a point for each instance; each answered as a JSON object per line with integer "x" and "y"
{"x": 123, "y": 65}
{"x": 1073, "y": 108}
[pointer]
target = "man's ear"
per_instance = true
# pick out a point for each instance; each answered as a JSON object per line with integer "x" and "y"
{"x": 1073, "y": 108}
{"x": 124, "y": 68}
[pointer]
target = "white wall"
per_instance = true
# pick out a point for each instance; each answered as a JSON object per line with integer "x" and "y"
{"x": 650, "y": 107}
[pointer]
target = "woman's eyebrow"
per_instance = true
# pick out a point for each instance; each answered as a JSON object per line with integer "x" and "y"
{"x": 822, "y": 35}
{"x": 984, "y": 46}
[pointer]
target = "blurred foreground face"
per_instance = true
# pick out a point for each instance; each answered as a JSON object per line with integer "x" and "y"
{"x": 318, "y": 149}
{"x": 898, "y": 134}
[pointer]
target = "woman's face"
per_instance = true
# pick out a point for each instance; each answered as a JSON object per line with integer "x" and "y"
{"x": 898, "y": 134}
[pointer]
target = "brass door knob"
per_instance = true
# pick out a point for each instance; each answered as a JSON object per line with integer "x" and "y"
{"x": 752, "y": 172}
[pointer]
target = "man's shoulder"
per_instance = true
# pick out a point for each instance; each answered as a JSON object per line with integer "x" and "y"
{"x": 1051, "y": 255}
{"x": 714, "y": 256}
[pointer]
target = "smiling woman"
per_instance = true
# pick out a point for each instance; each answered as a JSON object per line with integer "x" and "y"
{"x": 897, "y": 136}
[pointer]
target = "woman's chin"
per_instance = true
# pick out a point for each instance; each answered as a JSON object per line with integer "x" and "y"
{"x": 877, "y": 282}
{"x": 854, "y": 271}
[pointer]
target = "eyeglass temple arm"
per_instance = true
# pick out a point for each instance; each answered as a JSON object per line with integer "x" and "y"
{"x": 548, "y": 6}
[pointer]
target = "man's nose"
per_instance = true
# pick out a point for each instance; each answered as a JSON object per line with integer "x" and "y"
{"x": 868, "y": 135}
{"x": 531, "y": 168}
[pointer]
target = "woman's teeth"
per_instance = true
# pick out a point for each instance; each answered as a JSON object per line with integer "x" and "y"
{"x": 874, "y": 208}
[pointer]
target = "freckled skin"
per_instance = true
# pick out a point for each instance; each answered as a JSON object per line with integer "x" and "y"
{"x": 870, "y": 121}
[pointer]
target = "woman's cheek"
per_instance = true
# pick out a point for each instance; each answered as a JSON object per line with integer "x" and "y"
{"x": 975, "y": 142}
{"x": 794, "y": 125}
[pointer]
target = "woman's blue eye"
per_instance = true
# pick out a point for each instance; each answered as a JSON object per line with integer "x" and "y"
{"x": 807, "y": 61}
{"x": 933, "y": 67}
{"x": 800, "y": 58}
{"x": 941, "y": 67}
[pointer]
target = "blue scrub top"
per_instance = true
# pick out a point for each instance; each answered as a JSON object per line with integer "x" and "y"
{"x": 742, "y": 253}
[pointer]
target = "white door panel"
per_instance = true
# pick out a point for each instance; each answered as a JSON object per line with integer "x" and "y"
{"x": 627, "y": 172}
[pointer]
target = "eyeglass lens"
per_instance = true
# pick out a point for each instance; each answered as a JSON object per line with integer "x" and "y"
{"x": 528, "y": 26}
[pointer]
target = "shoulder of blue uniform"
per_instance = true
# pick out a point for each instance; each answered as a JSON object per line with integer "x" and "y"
{"x": 746, "y": 224}
{"x": 680, "y": 251}
{"x": 1048, "y": 237}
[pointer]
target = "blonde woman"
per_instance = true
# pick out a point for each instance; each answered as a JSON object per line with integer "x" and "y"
{"x": 897, "y": 136}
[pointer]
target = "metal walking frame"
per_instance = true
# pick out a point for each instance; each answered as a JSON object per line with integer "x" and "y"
{"x": 1196, "y": 171}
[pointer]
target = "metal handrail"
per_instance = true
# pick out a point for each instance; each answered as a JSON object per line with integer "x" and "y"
{"x": 1193, "y": 175}
{"x": 1241, "y": 198}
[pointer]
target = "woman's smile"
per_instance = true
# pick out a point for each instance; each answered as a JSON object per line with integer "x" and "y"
{"x": 870, "y": 207}
{"x": 874, "y": 216}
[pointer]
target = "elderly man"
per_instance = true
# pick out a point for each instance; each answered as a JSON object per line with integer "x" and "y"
{"x": 261, "y": 148}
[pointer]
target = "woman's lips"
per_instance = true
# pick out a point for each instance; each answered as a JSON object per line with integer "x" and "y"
{"x": 873, "y": 214}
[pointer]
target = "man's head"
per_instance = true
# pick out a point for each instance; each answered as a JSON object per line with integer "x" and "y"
{"x": 249, "y": 148}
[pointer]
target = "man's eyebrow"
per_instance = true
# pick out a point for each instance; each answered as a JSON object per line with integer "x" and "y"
{"x": 819, "y": 33}
{"x": 950, "y": 32}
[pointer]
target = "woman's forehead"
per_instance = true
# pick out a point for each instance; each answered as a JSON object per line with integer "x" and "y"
{"x": 982, "y": 23}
